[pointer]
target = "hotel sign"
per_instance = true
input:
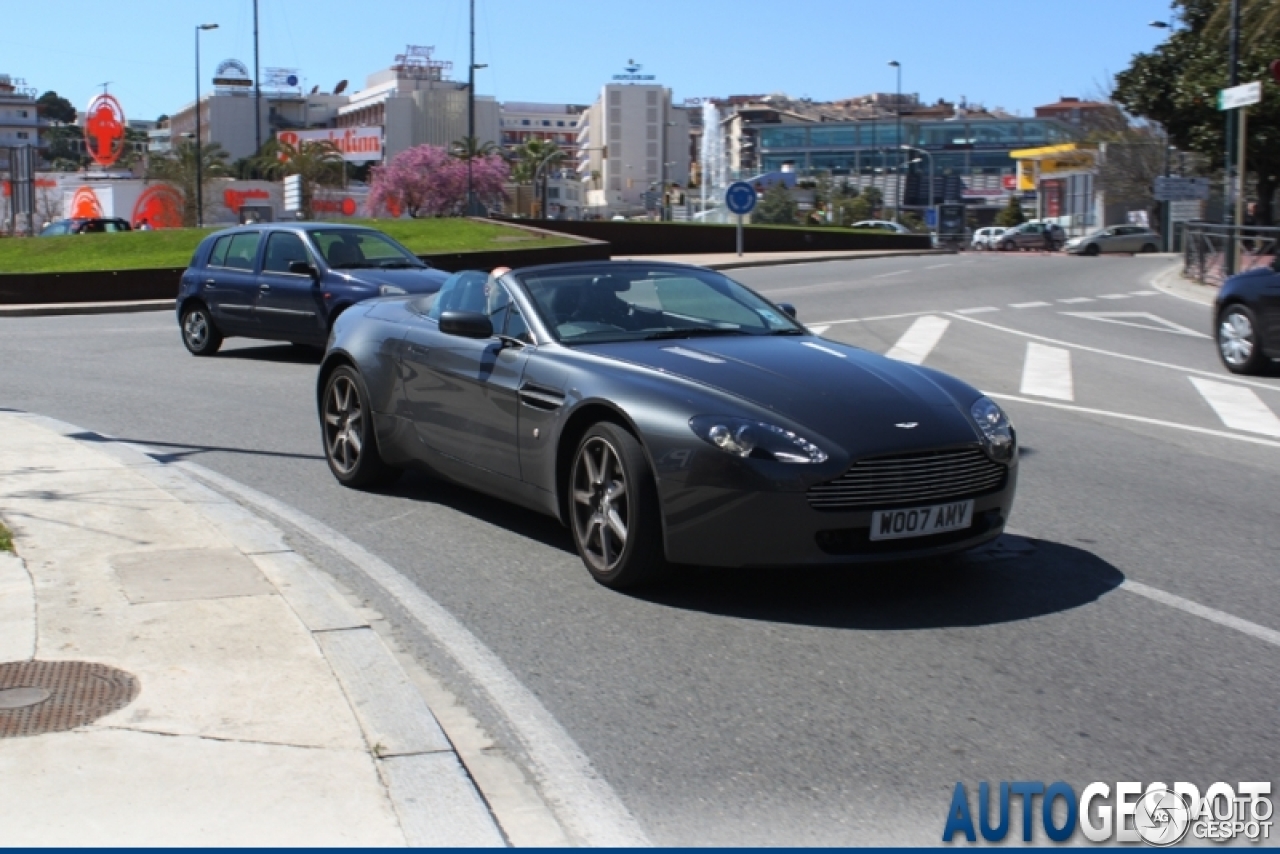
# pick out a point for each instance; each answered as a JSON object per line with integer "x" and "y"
{"x": 632, "y": 70}
{"x": 232, "y": 74}
{"x": 356, "y": 144}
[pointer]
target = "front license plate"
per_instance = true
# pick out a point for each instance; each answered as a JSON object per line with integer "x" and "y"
{"x": 921, "y": 521}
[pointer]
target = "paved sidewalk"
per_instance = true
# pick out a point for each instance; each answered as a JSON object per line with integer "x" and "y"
{"x": 1172, "y": 282}
{"x": 172, "y": 673}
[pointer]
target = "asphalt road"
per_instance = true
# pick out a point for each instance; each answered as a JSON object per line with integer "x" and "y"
{"x": 828, "y": 707}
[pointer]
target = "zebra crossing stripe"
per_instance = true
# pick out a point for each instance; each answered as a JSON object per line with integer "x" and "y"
{"x": 917, "y": 342}
{"x": 1238, "y": 407}
{"x": 1046, "y": 372}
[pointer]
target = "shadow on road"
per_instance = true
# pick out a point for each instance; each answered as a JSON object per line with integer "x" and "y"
{"x": 1013, "y": 579}
{"x": 293, "y": 354}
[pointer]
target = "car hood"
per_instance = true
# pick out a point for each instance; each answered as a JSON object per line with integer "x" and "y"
{"x": 412, "y": 280}
{"x": 851, "y": 396}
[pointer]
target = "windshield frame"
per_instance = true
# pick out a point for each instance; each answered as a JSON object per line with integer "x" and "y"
{"x": 648, "y": 321}
{"x": 407, "y": 257}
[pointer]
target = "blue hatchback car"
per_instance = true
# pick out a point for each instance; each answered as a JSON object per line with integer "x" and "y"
{"x": 1247, "y": 320}
{"x": 290, "y": 281}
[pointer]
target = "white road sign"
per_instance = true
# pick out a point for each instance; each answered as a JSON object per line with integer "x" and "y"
{"x": 1240, "y": 96}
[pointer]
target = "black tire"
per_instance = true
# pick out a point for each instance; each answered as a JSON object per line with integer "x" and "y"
{"x": 1091, "y": 250}
{"x": 1239, "y": 345}
{"x": 613, "y": 509}
{"x": 1148, "y": 248}
{"x": 199, "y": 333}
{"x": 350, "y": 441}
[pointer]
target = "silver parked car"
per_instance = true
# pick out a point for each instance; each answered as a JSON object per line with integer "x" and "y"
{"x": 1115, "y": 238}
{"x": 1030, "y": 235}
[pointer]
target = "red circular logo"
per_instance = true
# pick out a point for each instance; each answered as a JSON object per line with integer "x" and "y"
{"x": 348, "y": 206}
{"x": 104, "y": 129}
{"x": 160, "y": 205}
{"x": 84, "y": 205}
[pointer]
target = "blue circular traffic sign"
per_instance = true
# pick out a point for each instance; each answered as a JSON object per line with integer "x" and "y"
{"x": 740, "y": 198}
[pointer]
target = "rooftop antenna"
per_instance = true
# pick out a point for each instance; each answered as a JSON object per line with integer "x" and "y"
{"x": 105, "y": 85}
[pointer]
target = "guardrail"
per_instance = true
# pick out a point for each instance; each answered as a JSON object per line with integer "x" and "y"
{"x": 1205, "y": 247}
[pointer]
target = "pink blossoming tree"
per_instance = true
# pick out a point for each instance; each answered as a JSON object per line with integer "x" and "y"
{"x": 426, "y": 181}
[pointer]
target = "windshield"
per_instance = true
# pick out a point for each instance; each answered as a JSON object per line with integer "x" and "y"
{"x": 348, "y": 248}
{"x": 589, "y": 305}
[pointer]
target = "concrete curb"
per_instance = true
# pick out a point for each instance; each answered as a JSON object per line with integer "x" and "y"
{"x": 1171, "y": 282}
{"x": 58, "y": 309}
{"x": 435, "y": 799}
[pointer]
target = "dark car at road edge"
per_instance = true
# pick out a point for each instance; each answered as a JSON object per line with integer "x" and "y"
{"x": 1246, "y": 316}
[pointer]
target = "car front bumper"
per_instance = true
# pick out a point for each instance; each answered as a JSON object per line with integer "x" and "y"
{"x": 734, "y": 528}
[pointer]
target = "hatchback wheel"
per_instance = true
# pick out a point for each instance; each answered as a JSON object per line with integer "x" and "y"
{"x": 199, "y": 332}
{"x": 613, "y": 509}
{"x": 350, "y": 444}
{"x": 1091, "y": 250}
{"x": 1238, "y": 342}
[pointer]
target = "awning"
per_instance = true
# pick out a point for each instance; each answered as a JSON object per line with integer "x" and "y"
{"x": 1035, "y": 164}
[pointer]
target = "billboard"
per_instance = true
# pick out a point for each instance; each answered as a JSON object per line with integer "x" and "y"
{"x": 356, "y": 144}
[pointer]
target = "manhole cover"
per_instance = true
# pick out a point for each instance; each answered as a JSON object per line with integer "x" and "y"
{"x": 51, "y": 696}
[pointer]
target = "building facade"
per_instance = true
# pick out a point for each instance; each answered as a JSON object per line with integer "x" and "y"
{"x": 19, "y": 120}
{"x": 631, "y": 142}
{"x": 227, "y": 118}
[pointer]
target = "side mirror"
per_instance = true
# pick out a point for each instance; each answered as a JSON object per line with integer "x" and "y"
{"x": 303, "y": 268}
{"x": 468, "y": 324}
{"x": 788, "y": 308}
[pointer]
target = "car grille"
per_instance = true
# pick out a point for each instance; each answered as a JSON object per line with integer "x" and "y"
{"x": 910, "y": 479}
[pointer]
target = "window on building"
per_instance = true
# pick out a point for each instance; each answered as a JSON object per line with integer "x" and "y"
{"x": 651, "y": 98}
{"x": 651, "y": 115}
{"x": 559, "y": 124}
{"x": 546, "y": 123}
{"x": 524, "y": 122}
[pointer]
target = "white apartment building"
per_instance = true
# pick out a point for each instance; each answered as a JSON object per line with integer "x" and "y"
{"x": 19, "y": 123}
{"x": 630, "y": 141}
{"x": 522, "y": 122}
{"x": 417, "y": 106}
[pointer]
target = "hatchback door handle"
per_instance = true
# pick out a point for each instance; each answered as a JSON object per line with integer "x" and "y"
{"x": 264, "y": 287}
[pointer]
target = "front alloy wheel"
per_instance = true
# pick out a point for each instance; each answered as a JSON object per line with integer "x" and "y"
{"x": 613, "y": 508}
{"x": 1238, "y": 343}
{"x": 350, "y": 445}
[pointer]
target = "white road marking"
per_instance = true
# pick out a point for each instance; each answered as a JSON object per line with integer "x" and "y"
{"x": 937, "y": 266}
{"x": 880, "y": 317}
{"x": 1145, "y": 293}
{"x": 1047, "y": 372}
{"x": 1141, "y": 419}
{"x": 895, "y": 273}
{"x": 980, "y": 310}
{"x": 1239, "y": 408}
{"x": 1028, "y": 304}
{"x": 916, "y": 343}
{"x": 1074, "y": 300}
{"x": 818, "y": 330}
{"x": 1154, "y": 323}
{"x": 812, "y": 287}
{"x": 584, "y": 801}
{"x": 1112, "y": 353}
{"x": 1113, "y": 296}
{"x": 1213, "y": 615}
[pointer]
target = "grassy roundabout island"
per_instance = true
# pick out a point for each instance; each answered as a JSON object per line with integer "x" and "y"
{"x": 143, "y": 250}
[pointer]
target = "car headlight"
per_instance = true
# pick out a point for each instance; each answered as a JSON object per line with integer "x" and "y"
{"x": 390, "y": 290}
{"x": 744, "y": 437}
{"x": 997, "y": 432}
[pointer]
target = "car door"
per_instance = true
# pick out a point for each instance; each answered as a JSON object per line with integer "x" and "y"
{"x": 288, "y": 305}
{"x": 461, "y": 393}
{"x": 228, "y": 285}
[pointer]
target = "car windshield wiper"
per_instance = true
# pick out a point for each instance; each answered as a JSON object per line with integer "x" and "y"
{"x": 787, "y": 332}
{"x": 351, "y": 265}
{"x": 401, "y": 265}
{"x": 700, "y": 332}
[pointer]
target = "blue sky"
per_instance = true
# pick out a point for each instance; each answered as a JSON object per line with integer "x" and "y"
{"x": 1011, "y": 55}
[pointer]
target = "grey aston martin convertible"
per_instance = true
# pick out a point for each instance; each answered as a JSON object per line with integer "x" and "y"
{"x": 667, "y": 415}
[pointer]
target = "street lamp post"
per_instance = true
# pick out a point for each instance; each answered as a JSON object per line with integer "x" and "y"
{"x": 199, "y": 153}
{"x": 897, "y": 109}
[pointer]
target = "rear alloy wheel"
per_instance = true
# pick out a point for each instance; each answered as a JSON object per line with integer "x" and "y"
{"x": 1238, "y": 343}
{"x": 198, "y": 331}
{"x": 350, "y": 444}
{"x": 613, "y": 509}
{"x": 1091, "y": 250}
{"x": 1148, "y": 248}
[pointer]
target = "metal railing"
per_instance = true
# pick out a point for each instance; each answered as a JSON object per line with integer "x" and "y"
{"x": 1205, "y": 248}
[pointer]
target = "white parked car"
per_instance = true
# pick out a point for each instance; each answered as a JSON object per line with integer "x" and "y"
{"x": 882, "y": 225}
{"x": 986, "y": 238}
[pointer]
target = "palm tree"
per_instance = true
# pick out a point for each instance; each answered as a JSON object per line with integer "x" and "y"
{"x": 318, "y": 163}
{"x": 469, "y": 147}
{"x": 178, "y": 168}
{"x": 532, "y": 160}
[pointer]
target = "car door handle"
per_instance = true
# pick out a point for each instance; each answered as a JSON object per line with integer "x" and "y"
{"x": 210, "y": 283}
{"x": 264, "y": 287}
